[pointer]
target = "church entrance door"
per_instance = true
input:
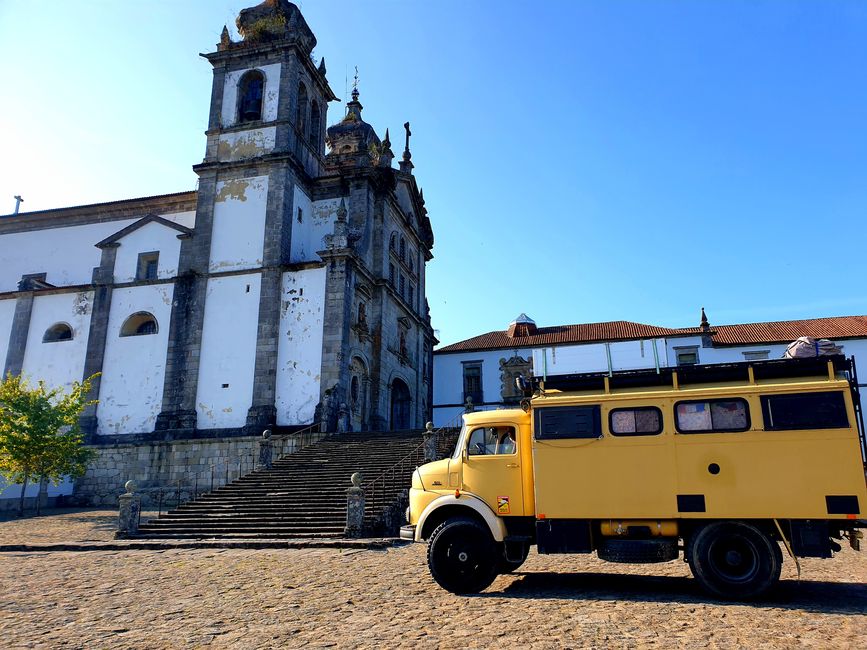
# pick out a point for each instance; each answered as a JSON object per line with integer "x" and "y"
{"x": 400, "y": 403}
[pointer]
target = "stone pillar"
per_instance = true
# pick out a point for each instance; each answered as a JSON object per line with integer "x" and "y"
{"x": 276, "y": 253}
{"x": 430, "y": 443}
{"x": 342, "y": 418}
{"x": 128, "y": 513}
{"x": 103, "y": 278}
{"x": 188, "y": 316}
{"x": 20, "y": 325}
{"x": 266, "y": 450}
{"x": 354, "y": 508}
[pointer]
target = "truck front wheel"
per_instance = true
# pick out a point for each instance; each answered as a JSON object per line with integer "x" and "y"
{"x": 735, "y": 560}
{"x": 462, "y": 556}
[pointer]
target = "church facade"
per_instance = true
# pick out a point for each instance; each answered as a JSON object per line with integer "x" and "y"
{"x": 287, "y": 290}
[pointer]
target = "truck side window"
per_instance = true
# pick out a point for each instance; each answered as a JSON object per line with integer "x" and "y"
{"x": 826, "y": 410}
{"x": 712, "y": 416}
{"x": 565, "y": 422}
{"x": 490, "y": 441}
{"x": 640, "y": 421}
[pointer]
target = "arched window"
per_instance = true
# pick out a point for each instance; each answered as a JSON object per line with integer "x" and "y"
{"x": 300, "y": 117}
{"x": 315, "y": 124}
{"x": 402, "y": 249}
{"x": 139, "y": 324}
{"x": 353, "y": 389}
{"x": 251, "y": 90}
{"x": 57, "y": 332}
{"x": 392, "y": 244}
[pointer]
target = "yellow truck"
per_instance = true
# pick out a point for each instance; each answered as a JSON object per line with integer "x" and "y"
{"x": 725, "y": 463}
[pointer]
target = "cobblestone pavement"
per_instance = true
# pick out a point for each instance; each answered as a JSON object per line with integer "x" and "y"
{"x": 352, "y": 598}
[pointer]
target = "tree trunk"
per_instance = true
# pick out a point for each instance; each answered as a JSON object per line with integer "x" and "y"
{"x": 21, "y": 501}
{"x": 42, "y": 496}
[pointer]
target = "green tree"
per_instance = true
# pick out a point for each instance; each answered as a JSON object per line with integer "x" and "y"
{"x": 40, "y": 437}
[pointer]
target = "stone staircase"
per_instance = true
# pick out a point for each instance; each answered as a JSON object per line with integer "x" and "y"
{"x": 303, "y": 495}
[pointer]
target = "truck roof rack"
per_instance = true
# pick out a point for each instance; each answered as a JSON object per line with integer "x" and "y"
{"x": 746, "y": 371}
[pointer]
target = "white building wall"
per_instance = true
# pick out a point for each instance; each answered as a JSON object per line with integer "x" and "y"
{"x": 147, "y": 239}
{"x": 229, "y": 113}
{"x": 66, "y": 255}
{"x": 317, "y": 221}
{"x": 228, "y": 355}
{"x": 7, "y": 313}
{"x": 134, "y": 367}
{"x": 242, "y": 145}
{"x": 594, "y": 357}
{"x": 299, "y": 352}
{"x": 239, "y": 224}
{"x": 60, "y": 363}
{"x": 448, "y": 378}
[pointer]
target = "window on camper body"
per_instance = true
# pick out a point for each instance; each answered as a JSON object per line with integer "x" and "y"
{"x": 712, "y": 416}
{"x": 639, "y": 421}
{"x": 826, "y": 410}
{"x": 566, "y": 422}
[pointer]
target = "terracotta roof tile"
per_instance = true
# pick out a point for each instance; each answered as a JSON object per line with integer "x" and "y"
{"x": 619, "y": 330}
{"x": 744, "y": 334}
{"x": 838, "y": 327}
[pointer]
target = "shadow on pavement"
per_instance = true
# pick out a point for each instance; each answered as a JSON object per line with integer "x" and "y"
{"x": 806, "y": 595}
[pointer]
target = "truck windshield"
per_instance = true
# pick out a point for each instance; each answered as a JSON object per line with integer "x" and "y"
{"x": 462, "y": 440}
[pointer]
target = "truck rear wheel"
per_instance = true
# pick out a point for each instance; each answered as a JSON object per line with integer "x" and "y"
{"x": 462, "y": 556}
{"x": 735, "y": 560}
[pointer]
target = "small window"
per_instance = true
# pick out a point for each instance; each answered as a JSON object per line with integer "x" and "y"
{"x": 411, "y": 298}
{"x": 402, "y": 287}
{"x": 641, "y": 421}
{"x": 402, "y": 249}
{"x": 301, "y": 110}
{"x": 564, "y": 422}
{"x": 473, "y": 382}
{"x": 300, "y": 215}
{"x": 57, "y": 332}
{"x": 250, "y": 92}
{"x": 402, "y": 344}
{"x": 687, "y": 356}
{"x": 759, "y": 355}
{"x": 492, "y": 441}
{"x": 825, "y": 410}
{"x": 139, "y": 324}
{"x": 315, "y": 124}
{"x": 391, "y": 273}
{"x": 712, "y": 416}
{"x": 148, "y": 265}
{"x": 392, "y": 243}
{"x": 362, "y": 314}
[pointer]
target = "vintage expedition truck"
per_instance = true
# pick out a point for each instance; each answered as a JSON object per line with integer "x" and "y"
{"x": 725, "y": 463}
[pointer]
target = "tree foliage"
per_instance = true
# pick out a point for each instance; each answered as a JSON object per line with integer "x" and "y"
{"x": 40, "y": 437}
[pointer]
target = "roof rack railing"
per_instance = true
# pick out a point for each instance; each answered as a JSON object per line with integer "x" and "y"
{"x": 676, "y": 376}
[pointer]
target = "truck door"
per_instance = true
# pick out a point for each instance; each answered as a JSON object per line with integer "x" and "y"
{"x": 492, "y": 468}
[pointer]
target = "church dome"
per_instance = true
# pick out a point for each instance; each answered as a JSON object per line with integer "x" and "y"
{"x": 352, "y": 135}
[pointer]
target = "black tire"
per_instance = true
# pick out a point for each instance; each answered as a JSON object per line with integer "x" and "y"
{"x": 735, "y": 560}
{"x": 462, "y": 556}
{"x": 638, "y": 551}
{"x": 505, "y": 565}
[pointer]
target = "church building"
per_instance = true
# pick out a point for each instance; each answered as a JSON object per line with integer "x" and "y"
{"x": 288, "y": 289}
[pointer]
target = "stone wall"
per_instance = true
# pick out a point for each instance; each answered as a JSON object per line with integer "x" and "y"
{"x": 182, "y": 465}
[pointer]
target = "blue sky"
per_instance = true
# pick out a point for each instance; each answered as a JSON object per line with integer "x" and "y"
{"x": 582, "y": 161}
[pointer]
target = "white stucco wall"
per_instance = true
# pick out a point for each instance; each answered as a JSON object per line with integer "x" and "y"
{"x": 299, "y": 351}
{"x": 317, "y": 221}
{"x": 448, "y": 375}
{"x": 239, "y": 224}
{"x": 7, "y": 312}
{"x": 134, "y": 367}
{"x": 61, "y": 363}
{"x": 269, "y": 99}
{"x": 150, "y": 237}
{"x": 67, "y": 255}
{"x": 242, "y": 145}
{"x": 228, "y": 355}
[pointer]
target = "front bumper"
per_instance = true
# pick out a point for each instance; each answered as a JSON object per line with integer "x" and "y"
{"x": 408, "y": 532}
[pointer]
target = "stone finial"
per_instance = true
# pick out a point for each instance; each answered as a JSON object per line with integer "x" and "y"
{"x": 406, "y": 164}
{"x": 322, "y": 66}
{"x": 225, "y": 39}
{"x": 356, "y": 479}
{"x": 266, "y": 433}
{"x": 341, "y": 210}
{"x": 705, "y": 324}
{"x": 130, "y": 486}
{"x": 429, "y": 427}
{"x": 469, "y": 407}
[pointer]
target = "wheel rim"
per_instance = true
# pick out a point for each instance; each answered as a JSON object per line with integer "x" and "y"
{"x": 734, "y": 558}
{"x": 464, "y": 556}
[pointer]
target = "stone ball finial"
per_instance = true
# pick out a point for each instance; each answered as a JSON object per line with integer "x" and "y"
{"x": 130, "y": 486}
{"x": 356, "y": 479}
{"x": 266, "y": 433}
{"x": 429, "y": 427}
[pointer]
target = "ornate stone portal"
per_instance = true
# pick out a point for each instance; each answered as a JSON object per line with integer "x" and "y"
{"x": 510, "y": 369}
